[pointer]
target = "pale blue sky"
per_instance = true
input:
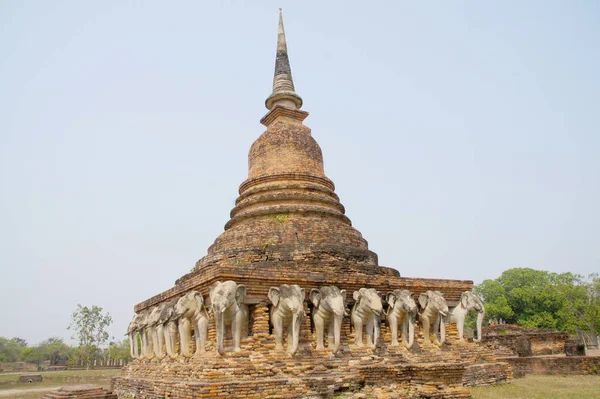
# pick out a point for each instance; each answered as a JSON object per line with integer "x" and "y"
{"x": 463, "y": 138}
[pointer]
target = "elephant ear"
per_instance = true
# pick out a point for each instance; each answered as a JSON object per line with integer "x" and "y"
{"x": 302, "y": 294}
{"x": 391, "y": 299}
{"x": 423, "y": 299}
{"x": 274, "y": 295}
{"x": 343, "y": 294}
{"x": 212, "y": 290}
{"x": 240, "y": 294}
{"x": 464, "y": 299}
{"x": 315, "y": 297}
{"x": 356, "y": 295}
{"x": 199, "y": 300}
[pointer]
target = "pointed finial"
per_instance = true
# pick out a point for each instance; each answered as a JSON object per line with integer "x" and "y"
{"x": 283, "y": 85}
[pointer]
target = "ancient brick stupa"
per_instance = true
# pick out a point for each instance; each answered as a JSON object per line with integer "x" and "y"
{"x": 289, "y": 227}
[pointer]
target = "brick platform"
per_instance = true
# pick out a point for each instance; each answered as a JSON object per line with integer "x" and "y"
{"x": 86, "y": 391}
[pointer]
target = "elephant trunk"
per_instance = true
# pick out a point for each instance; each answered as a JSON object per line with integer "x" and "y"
{"x": 220, "y": 324}
{"x": 410, "y": 319}
{"x": 337, "y": 327}
{"x": 479, "y": 323}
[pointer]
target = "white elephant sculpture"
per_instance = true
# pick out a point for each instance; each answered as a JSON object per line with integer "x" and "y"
{"x": 151, "y": 331}
{"x": 367, "y": 312}
{"x": 287, "y": 311}
{"x": 468, "y": 301}
{"x": 328, "y": 312}
{"x": 146, "y": 351}
{"x": 166, "y": 330}
{"x": 402, "y": 310}
{"x": 136, "y": 326}
{"x": 190, "y": 311}
{"x": 227, "y": 301}
{"x": 434, "y": 310}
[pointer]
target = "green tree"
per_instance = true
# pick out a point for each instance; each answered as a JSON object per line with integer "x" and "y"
{"x": 581, "y": 304}
{"x": 118, "y": 350}
{"x": 89, "y": 325}
{"x": 10, "y": 350}
{"x": 22, "y": 342}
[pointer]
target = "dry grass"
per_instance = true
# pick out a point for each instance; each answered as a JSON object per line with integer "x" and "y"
{"x": 544, "y": 387}
{"x": 10, "y": 388}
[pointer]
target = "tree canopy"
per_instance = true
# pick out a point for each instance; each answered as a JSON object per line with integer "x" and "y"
{"x": 537, "y": 298}
{"x": 89, "y": 325}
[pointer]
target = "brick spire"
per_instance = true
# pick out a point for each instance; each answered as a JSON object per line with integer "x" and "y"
{"x": 283, "y": 86}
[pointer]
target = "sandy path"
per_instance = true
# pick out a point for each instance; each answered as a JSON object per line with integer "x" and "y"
{"x": 13, "y": 392}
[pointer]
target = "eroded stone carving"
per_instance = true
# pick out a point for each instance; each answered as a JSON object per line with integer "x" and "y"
{"x": 136, "y": 326}
{"x": 468, "y": 301}
{"x": 166, "y": 330}
{"x": 402, "y": 310}
{"x": 329, "y": 311}
{"x": 151, "y": 328}
{"x": 287, "y": 312}
{"x": 227, "y": 301}
{"x": 367, "y": 312}
{"x": 191, "y": 312}
{"x": 434, "y": 310}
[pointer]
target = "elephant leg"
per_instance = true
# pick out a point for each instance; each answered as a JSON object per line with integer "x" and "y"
{"x": 236, "y": 330}
{"x": 426, "y": 324}
{"x": 160, "y": 338}
{"x": 168, "y": 343}
{"x": 405, "y": 331}
{"x": 393, "y": 322}
{"x": 319, "y": 330}
{"x": 358, "y": 330}
{"x": 184, "y": 337}
{"x": 290, "y": 335}
{"x": 278, "y": 332}
{"x": 149, "y": 344}
{"x": 144, "y": 345}
{"x": 436, "y": 329}
{"x": 460, "y": 326}
{"x": 371, "y": 332}
{"x": 201, "y": 335}
{"x": 133, "y": 345}
{"x": 330, "y": 331}
{"x": 172, "y": 334}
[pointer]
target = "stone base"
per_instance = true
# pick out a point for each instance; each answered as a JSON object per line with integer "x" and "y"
{"x": 86, "y": 391}
{"x": 258, "y": 371}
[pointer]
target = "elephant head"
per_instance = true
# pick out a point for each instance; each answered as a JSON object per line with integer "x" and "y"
{"x": 227, "y": 302}
{"x": 470, "y": 301}
{"x": 168, "y": 312}
{"x": 367, "y": 311}
{"x": 329, "y": 310}
{"x": 402, "y": 309}
{"x": 434, "y": 312}
{"x": 287, "y": 309}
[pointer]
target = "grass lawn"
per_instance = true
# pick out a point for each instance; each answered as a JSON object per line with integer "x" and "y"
{"x": 544, "y": 387}
{"x": 10, "y": 388}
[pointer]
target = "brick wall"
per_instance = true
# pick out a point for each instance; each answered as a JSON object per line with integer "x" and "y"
{"x": 570, "y": 365}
